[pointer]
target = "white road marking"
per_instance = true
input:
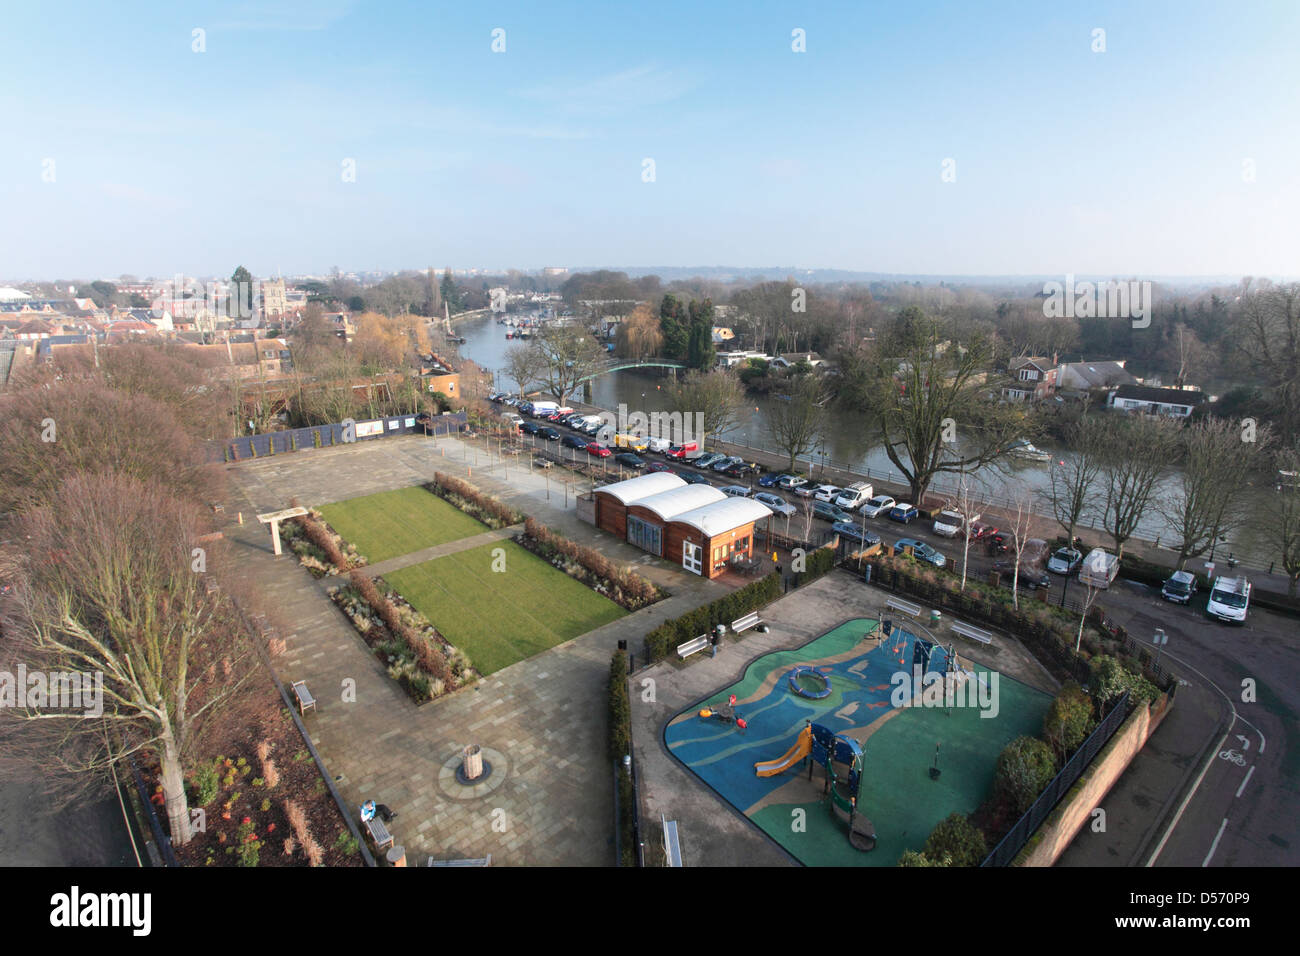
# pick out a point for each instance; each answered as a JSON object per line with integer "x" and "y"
{"x": 1215, "y": 845}
{"x": 1249, "y": 773}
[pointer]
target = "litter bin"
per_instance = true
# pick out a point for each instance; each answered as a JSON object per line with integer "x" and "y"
{"x": 935, "y": 617}
{"x": 866, "y": 574}
{"x": 720, "y": 631}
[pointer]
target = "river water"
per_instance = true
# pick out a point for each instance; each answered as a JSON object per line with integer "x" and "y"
{"x": 845, "y": 445}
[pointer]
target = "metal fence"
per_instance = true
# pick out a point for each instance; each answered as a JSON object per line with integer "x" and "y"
{"x": 1015, "y": 840}
{"x": 292, "y": 440}
{"x": 160, "y": 836}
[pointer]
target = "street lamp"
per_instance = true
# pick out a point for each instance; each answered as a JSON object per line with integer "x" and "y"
{"x": 1221, "y": 538}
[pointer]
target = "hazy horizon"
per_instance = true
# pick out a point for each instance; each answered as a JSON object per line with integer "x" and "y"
{"x": 934, "y": 141}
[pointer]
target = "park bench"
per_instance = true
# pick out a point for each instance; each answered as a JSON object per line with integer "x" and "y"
{"x": 485, "y": 861}
{"x": 305, "y": 700}
{"x": 974, "y": 633}
{"x": 744, "y": 623}
{"x": 904, "y": 607}
{"x": 379, "y": 833}
{"x": 672, "y": 848}
{"x": 690, "y": 647}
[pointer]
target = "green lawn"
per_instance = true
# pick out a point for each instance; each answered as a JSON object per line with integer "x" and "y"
{"x": 498, "y": 618}
{"x": 398, "y": 522}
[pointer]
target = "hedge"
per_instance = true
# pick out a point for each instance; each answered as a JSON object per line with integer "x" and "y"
{"x": 491, "y": 511}
{"x": 619, "y": 583}
{"x": 817, "y": 563}
{"x": 663, "y": 640}
{"x": 620, "y": 708}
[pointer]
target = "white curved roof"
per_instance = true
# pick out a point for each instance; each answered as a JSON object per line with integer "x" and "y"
{"x": 642, "y": 486}
{"x": 722, "y": 516}
{"x": 669, "y": 504}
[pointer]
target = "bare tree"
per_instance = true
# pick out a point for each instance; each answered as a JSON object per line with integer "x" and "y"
{"x": 524, "y": 363}
{"x": 966, "y": 504}
{"x": 715, "y": 395}
{"x": 572, "y": 354}
{"x": 109, "y": 584}
{"x": 1205, "y": 499}
{"x": 1270, "y": 340}
{"x": 1021, "y": 515}
{"x": 1136, "y": 455}
{"x": 796, "y": 420}
{"x": 1072, "y": 481}
{"x": 1283, "y": 516}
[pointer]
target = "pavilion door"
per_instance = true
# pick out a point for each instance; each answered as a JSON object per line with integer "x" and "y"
{"x": 692, "y": 557}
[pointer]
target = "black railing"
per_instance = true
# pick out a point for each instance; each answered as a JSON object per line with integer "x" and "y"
{"x": 160, "y": 836}
{"x": 326, "y": 436}
{"x": 1011, "y": 844}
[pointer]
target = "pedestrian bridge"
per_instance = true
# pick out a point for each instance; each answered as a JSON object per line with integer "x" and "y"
{"x": 619, "y": 365}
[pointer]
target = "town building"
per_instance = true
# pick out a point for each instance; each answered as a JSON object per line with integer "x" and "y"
{"x": 1147, "y": 399}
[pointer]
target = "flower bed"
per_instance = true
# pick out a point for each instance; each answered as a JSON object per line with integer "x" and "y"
{"x": 264, "y": 801}
{"x": 487, "y": 509}
{"x": 417, "y": 656}
{"x": 320, "y": 549}
{"x": 625, "y": 588}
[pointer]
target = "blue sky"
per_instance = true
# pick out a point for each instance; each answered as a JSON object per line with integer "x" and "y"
{"x": 1127, "y": 162}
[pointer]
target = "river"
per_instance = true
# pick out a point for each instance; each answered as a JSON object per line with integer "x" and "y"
{"x": 845, "y": 445}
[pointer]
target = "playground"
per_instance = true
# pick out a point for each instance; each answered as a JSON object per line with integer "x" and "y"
{"x": 813, "y": 729}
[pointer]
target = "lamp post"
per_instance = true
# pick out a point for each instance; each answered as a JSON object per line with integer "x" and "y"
{"x": 1160, "y": 639}
{"x": 1214, "y": 544}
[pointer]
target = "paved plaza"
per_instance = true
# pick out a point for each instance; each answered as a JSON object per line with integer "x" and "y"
{"x": 540, "y": 722}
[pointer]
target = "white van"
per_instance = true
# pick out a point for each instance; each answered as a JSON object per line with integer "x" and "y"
{"x": 542, "y": 409}
{"x": 854, "y": 496}
{"x": 658, "y": 445}
{"x": 1229, "y": 600}
{"x": 950, "y": 522}
{"x": 1099, "y": 568}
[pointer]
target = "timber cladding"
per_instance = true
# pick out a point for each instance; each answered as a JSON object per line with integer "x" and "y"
{"x": 611, "y": 514}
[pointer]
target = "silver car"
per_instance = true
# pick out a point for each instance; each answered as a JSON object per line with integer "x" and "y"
{"x": 776, "y": 503}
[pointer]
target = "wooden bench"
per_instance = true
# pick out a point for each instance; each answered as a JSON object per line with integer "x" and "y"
{"x": 379, "y": 833}
{"x": 485, "y": 861}
{"x": 305, "y": 700}
{"x": 974, "y": 633}
{"x": 905, "y": 607}
{"x": 744, "y": 623}
{"x": 690, "y": 647}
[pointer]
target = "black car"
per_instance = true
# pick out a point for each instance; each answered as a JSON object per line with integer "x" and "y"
{"x": 691, "y": 477}
{"x": 530, "y": 428}
{"x": 1033, "y": 580}
{"x": 550, "y": 434}
{"x": 629, "y": 459}
{"x": 740, "y": 470}
{"x": 573, "y": 441}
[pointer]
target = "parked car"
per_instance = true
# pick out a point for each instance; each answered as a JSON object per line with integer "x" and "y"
{"x": 597, "y": 449}
{"x": 740, "y": 470}
{"x": 979, "y": 530}
{"x": 691, "y": 477}
{"x": 573, "y": 441}
{"x": 827, "y": 493}
{"x": 829, "y": 512}
{"x": 878, "y": 506}
{"x": 771, "y": 478}
{"x": 776, "y": 503}
{"x": 497, "y": 397}
{"x": 549, "y": 433}
{"x": 1229, "y": 600}
{"x": 921, "y": 550}
{"x": 997, "y": 543}
{"x": 658, "y": 466}
{"x": 630, "y": 460}
{"x": 1179, "y": 588}
{"x": 855, "y": 532}
{"x": 1065, "y": 561}
{"x": 726, "y": 462}
{"x": 682, "y": 450}
{"x": 903, "y": 512}
{"x": 791, "y": 482}
{"x": 735, "y": 491}
{"x": 1029, "y": 569}
{"x": 530, "y": 428}
{"x": 707, "y": 461}
{"x": 659, "y": 446}
{"x": 1099, "y": 568}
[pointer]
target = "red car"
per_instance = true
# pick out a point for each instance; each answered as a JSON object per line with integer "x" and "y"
{"x": 658, "y": 466}
{"x": 979, "y": 530}
{"x": 597, "y": 449}
{"x": 680, "y": 451}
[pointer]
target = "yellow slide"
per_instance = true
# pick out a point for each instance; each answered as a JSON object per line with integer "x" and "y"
{"x": 802, "y": 747}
